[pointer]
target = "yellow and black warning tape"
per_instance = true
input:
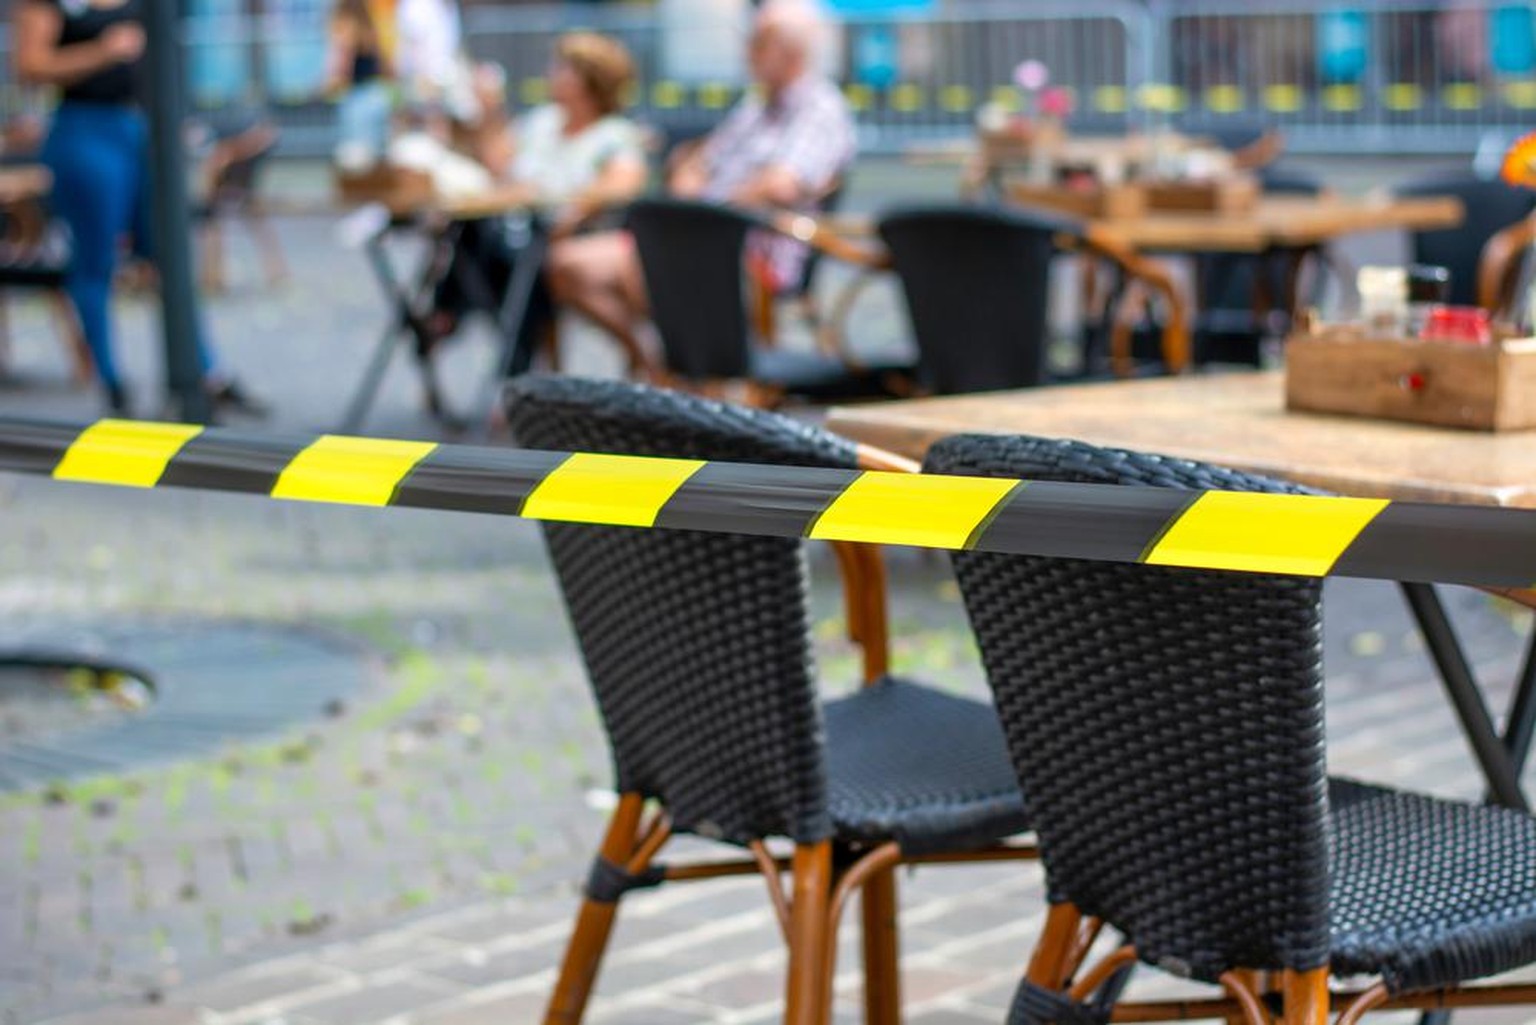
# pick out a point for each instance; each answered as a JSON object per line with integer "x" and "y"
{"x": 1266, "y": 533}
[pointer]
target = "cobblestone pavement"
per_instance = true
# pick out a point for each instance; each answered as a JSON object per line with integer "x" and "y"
{"x": 413, "y": 857}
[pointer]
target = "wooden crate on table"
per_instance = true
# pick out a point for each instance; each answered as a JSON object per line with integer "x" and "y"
{"x": 1336, "y": 369}
{"x": 1093, "y": 202}
{"x": 1228, "y": 195}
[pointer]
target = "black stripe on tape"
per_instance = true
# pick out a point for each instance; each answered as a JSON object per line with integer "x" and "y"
{"x": 231, "y": 461}
{"x": 1479, "y": 545}
{"x": 1083, "y": 521}
{"x": 36, "y": 447}
{"x": 743, "y": 499}
{"x": 481, "y": 480}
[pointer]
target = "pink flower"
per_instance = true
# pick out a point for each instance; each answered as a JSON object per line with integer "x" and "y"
{"x": 1031, "y": 75}
{"x": 1056, "y": 103}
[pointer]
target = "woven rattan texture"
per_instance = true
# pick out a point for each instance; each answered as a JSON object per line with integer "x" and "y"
{"x": 696, "y": 644}
{"x": 1167, "y": 725}
{"x": 926, "y": 768}
{"x": 1428, "y": 893}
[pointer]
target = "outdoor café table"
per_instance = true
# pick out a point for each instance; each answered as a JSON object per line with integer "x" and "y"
{"x": 1239, "y": 421}
{"x": 1291, "y": 225}
{"x": 443, "y": 223}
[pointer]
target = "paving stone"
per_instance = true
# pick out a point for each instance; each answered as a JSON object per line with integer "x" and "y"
{"x": 160, "y": 1014}
{"x": 744, "y": 988}
{"x": 256, "y": 986}
{"x": 476, "y": 968}
{"x": 501, "y": 1011}
{"x": 373, "y": 1002}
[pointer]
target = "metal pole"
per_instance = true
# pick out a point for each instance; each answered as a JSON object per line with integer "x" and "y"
{"x": 172, "y": 225}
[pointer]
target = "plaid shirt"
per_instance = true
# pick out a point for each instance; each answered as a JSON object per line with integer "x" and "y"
{"x": 808, "y": 131}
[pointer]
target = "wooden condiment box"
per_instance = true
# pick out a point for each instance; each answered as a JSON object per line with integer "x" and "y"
{"x": 1450, "y": 384}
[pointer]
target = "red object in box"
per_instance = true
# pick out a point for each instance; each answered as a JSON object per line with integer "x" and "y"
{"x": 1467, "y": 324}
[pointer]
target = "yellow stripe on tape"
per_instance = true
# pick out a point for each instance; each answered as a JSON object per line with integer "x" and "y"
{"x": 124, "y": 452}
{"x": 626, "y": 491}
{"x": 1264, "y": 533}
{"x": 909, "y": 509}
{"x": 351, "y": 471}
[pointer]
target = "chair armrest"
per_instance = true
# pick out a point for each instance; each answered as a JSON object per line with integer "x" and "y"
{"x": 1154, "y": 276}
{"x": 820, "y": 236}
{"x": 1500, "y": 261}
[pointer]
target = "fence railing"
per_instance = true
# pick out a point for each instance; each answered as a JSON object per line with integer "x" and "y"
{"x": 1335, "y": 75}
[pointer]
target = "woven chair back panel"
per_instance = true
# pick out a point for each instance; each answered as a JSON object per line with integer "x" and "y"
{"x": 691, "y": 258}
{"x": 1166, "y": 724}
{"x": 697, "y": 645}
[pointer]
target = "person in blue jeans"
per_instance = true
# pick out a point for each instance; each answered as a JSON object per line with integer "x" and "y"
{"x": 97, "y": 149}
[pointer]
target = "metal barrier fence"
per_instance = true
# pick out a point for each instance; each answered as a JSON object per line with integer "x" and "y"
{"x": 1340, "y": 76}
{"x": 1335, "y": 75}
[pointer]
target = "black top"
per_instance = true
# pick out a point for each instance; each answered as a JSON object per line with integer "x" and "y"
{"x": 366, "y": 66}
{"x": 83, "y": 23}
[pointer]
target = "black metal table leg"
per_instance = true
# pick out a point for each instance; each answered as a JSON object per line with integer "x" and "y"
{"x": 511, "y": 316}
{"x": 1495, "y": 754}
{"x": 1501, "y": 757}
{"x": 403, "y": 319}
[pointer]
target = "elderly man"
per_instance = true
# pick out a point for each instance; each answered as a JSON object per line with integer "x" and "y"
{"x": 784, "y": 146}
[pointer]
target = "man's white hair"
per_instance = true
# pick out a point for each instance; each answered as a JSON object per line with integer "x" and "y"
{"x": 802, "y": 23}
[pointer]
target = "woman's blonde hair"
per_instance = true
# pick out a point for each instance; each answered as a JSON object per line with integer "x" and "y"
{"x": 602, "y": 63}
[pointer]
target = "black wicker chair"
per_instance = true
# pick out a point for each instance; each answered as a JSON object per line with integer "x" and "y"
{"x": 1491, "y": 206}
{"x": 691, "y": 254}
{"x": 1168, "y": 724}
{"x": 698, "y": 651}
{"x": 977, "y": 286}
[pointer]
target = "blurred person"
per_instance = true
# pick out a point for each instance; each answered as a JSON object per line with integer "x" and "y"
{"x": 577, "y": 156}
{"x": 98, "y": 150}
{"x": 783, "y": 146}
{"x": 360, "y": 74}
{"x": 429, "y": 58}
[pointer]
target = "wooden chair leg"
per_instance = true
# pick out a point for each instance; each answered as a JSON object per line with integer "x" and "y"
{"x": 594, "y": 922}
{"x": 1049, "y": 964}
{"x": 1305, "y": 997}
{"x": 807, "y": 986}
{"x": 882, "y": 951}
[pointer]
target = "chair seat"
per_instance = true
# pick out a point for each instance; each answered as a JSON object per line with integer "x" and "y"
{"x": 927, "y": 769}
{"x": 817, "y": 375}
{"x": 1426, "y": 892}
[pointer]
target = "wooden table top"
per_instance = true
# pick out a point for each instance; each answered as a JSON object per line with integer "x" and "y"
{"x": 1236, "y": 420}
{"x": 1278, "y": 222}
